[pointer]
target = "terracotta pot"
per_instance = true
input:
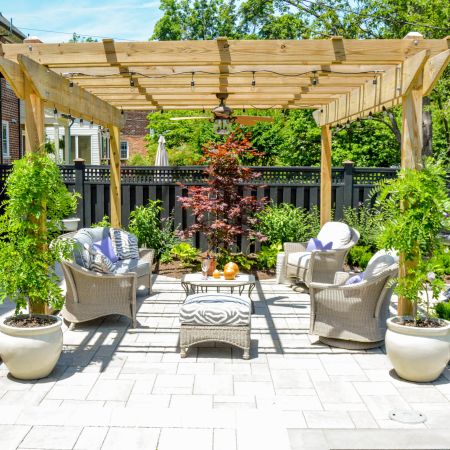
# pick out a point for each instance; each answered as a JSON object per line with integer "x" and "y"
{"x": 212, "y": 266}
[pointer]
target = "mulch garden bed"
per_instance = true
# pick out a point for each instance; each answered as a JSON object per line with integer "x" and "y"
{"x": 30, "y": 321}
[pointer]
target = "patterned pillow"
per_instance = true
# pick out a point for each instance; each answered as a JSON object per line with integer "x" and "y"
{"x": 125, "y": 245}
{"x": 99, "y": 262}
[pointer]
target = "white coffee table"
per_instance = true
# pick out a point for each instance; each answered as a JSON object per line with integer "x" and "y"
{"x": 194, "y": 283}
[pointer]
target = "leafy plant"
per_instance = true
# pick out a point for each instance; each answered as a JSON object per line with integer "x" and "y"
{"x": 244, "y": 262}
{"x": 359, "y": 255}
{"x": 286, "y": 223}
{"x": 37, "y": 201}
{"x": 267, "y": 256}
{"x": 186, "y": 253}
{"x": 442, "y": 310}
{"x": 221, "y": 212}
{"x": 367, "y": 221}
{"x": 416, "y": 208}
{"x": 104, "y": 223}
{"x": 152, "y": 231}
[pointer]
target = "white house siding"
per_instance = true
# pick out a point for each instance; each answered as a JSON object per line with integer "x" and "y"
{"x": 77, "y": 130}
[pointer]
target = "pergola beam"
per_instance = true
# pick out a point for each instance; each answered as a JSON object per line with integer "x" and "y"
{"x": 57, "y": 92}
{"x": 433, "y": 70}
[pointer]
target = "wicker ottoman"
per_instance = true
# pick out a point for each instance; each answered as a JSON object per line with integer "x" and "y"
{"x": 215, "y": 317}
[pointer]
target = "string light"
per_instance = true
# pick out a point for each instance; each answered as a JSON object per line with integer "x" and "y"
{"x": 55, "y": 113}
{"x": 374, "y": 81}
{"x": 71, "y": 83}
{"x": 253, "y": 82}
{"x": 81, "y": 122}
{"x": 315, "y": 79}
{"x": 192, "y": 82}
{"x": 131, "y": 79}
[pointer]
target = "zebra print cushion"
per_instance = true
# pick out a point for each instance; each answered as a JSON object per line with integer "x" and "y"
{"x": 125, "y": 245}
{"x": 98, "y": 261}
{"x": 215, "y": 309}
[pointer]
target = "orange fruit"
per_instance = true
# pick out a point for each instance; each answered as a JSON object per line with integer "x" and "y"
{"x": 216, "y": 274}
{"x": 233, "y": 266}
{"x": 229, "y": 273}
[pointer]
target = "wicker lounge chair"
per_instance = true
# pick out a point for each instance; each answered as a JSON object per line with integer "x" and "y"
{"x": 320, "y": 266}
{"x": 353, "y": 316}
{"x": 90, "y": 294}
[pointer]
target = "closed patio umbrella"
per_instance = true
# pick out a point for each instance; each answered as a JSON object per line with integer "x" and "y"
{"x": 162, "y": 158}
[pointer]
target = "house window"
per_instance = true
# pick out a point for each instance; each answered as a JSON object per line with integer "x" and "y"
{"x": 5, "y": 138}
{"x": 124, "y": 150}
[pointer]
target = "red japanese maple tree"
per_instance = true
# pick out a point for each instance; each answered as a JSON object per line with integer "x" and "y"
{"x": 221, "y": 212}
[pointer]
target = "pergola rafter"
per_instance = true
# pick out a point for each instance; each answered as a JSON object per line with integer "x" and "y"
{"x": 341, "y": 79}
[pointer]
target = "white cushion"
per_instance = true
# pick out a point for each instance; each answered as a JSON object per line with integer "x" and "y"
{"x": 215, "y": 309}
{"x": 379, "y": 262}
{"x": 336, "y": 232}
{"x": 299, "y": 259}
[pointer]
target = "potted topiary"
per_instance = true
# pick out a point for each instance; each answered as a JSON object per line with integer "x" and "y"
{"x": 37, "y": 200}
{"x": 416, "y": 207}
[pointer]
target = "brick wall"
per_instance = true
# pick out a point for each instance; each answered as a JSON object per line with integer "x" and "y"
{"x": 10, "y": 114}
{"x": 134, "y": 132}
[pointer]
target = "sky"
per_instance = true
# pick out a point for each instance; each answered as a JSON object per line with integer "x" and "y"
{"x": 127, "y": 19}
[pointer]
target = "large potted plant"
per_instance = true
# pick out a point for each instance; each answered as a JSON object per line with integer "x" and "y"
{"x": 416, "y": 207}
{"x": 37, "y": 201}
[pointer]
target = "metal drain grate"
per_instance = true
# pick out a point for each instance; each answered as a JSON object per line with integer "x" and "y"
{"x": 407, "y": 416}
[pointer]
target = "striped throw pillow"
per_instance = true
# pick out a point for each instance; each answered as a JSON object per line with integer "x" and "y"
{"x": 98, "y": 261}
{"x": 125, "y": 245}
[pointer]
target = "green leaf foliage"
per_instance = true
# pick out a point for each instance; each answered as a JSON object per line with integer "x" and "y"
{"x": 442, "y": 310}
{"x": 186, "y": 253}
{"x": 267, "y": 256}
{"x": 359, "y": 255}
{"x": 37, "y": 202}
{"x": 152, "y": 231}
{"x": 416, "y": 209}
{"x": 286, "y": 223}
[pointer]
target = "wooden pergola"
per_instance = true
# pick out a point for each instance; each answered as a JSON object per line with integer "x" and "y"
{"x": 340, "y": 79}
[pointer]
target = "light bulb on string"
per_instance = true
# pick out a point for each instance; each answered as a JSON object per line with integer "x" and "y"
{"x": 193, "y": 82}
{"x": 253, "y": 82}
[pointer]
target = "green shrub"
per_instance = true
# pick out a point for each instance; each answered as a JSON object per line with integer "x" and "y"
{"x": 267, "y": 257}
{"x": 286, "y": 223}
{"x": 359, "y": 256}
{"x": 368, "y": 221}
{"x": 444, "y": 259}
{"x": 186, "y": 253}
{"x": 104, "y": 223}
{"x": 442, "y": 310}
{"x": 150, "y": 230}
{"x": 244, "y": 262}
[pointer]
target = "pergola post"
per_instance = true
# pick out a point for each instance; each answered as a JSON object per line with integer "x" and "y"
{"x": 411, "y": 158}
{"x": 115, "y": 190}
{"x": 325, "y": 175}
{"x": 34, "y": 119}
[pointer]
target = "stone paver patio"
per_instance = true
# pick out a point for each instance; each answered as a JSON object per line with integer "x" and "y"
{"x": 118, "y": 388}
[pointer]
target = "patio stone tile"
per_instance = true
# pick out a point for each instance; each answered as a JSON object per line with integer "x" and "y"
{"x": 422, "y": 394}
{"x": 372, "y": 361}
{"x": 51, "y": 437}
{"x": 232, "y": 369}
{"x": 150, "y": 400}
{"x": 381, "y": 405}
{"x": 131, "y": 438}
{"x": 177, "y": 381}
{"x": 344, "y": 406}
{"x": 194, "y": 368}
{"x": 213, "y": 384}
{"x": 12, "y": 435}
{"x": 143, "y": 386}
{"x": 91, "y": 438}
{"x": 291, "y": 378}
{"x": 224, "y": 439}
{"x": 340, "y": 364}
{"x": 171, "y": 390}
{"x": 73, "y": 377}
{"x": 292, "y": 419}
{"x": 253, "y": 388}
{"x": 9, "y": 414}
{"x": 234, "y": 401}
{"x": 52, "y": 403}
{"x": 390, "y": 424}
{"x": 375, "y": 388}
{"x": 148, "y": 368}
{"x": 142, "y": 416}
{"x": 290, "y": 402}
{"x": 191, "y": 401}
{"x": 212, "y": 354}
{"x": 307, "y": 439}
{"x": 111, "y": 390}
{"x": 328, "y": 419}
{"x": 438, "y": 419}
{"x": 59, "y": 392}
{"x": 85, "y": 403}
{"x": 192, "y": 439}
{"x": 337, "y": 392}
{"x": 17, "y": 398}
{"x": 363, "y": 419}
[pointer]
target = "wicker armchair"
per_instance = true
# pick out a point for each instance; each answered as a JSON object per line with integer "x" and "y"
{"x": 319, "y": 266}
{"x": 90, "y": 294}
{"x": 352, "y": 316}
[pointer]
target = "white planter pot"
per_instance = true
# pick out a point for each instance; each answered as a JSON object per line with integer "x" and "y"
{"x": 31, "y": 353}
{"x": 417, "y": 354}
{"x": 71, "y": 224}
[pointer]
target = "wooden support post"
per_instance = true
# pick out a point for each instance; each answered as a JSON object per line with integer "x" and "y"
{"x": 325, "y": 176}
{"x": 34, "y": 119}
{"x": 411, "y": 158}
{"x": 115, "y": 190}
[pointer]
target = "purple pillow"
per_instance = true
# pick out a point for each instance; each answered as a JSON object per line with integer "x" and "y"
{"x": 105, "y": 246}
{"x": 316, "y": 244}
{"x": 355, "y": 279}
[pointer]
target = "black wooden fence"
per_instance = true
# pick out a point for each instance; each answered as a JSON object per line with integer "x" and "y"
{"x": 299, "y": 186}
